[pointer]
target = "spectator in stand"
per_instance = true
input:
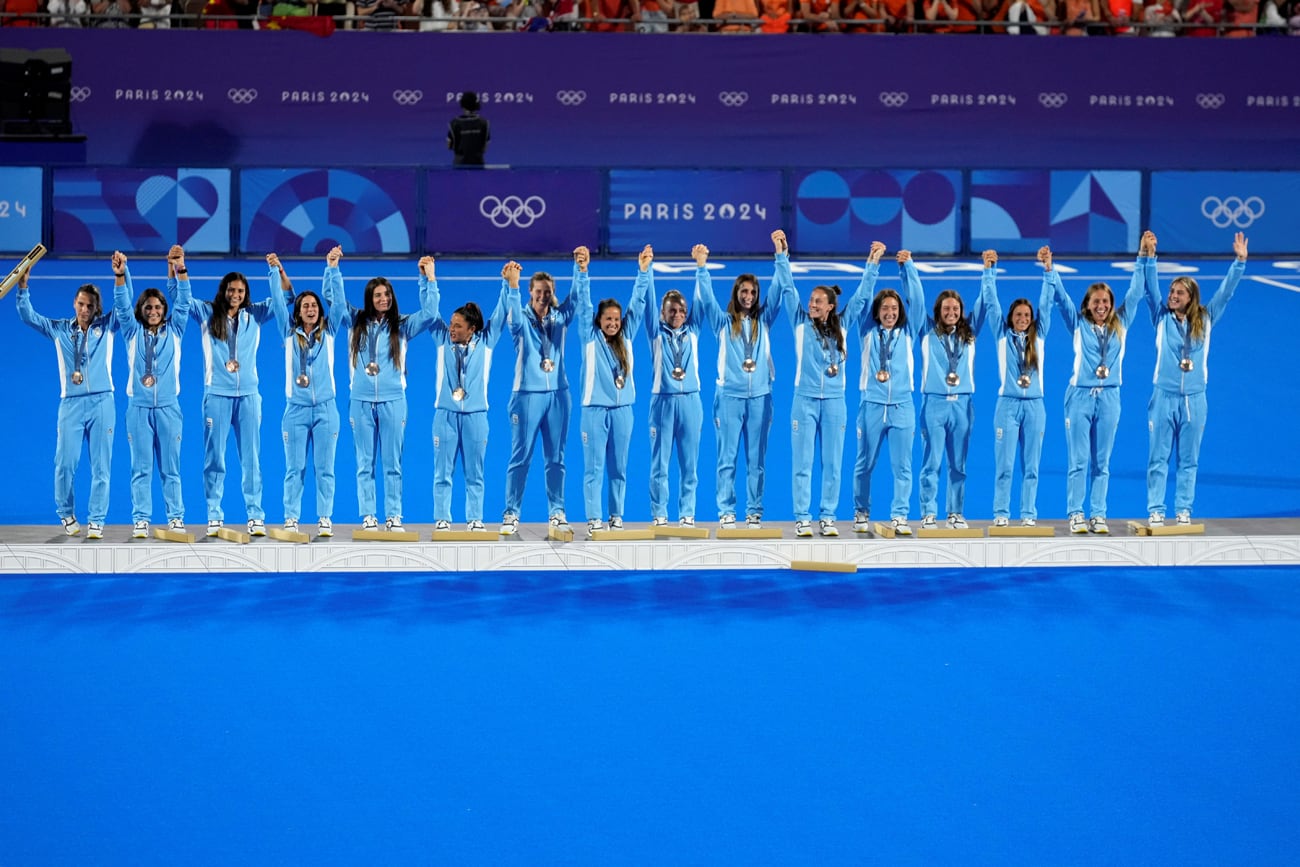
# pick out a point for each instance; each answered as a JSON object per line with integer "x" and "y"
{"x": 156, "y": 14}
{"x": 1162, "y": 18}
{"x": 381, "y": 14}
{"x": 564, "y": 16}
{"x": 687, "y": 14}
{"x": 1120, "y": 15}
{"x": 108, "y": 13}
{"x": 1203, "y": 12}
{"x": 1080, "y": 17}
{"x": 776, "y": 16}
{"x": 24, "y": 8}
{"x": 67, "y": 13}
{"x": 1241, "y": 17}
{"x": 989, "y": 10}
{"x": 863, "y": 11}
{"x": 942, "y": 16}
{"x": 737, "y": 16}
{"x": 435, "y": 15}
{"x": 612, "y": 16}
{"x": 818, "y": 16}
{"x": 478, "y": 13}
{"x": 1025, "y": 16}
{"x": 655, "y": 15}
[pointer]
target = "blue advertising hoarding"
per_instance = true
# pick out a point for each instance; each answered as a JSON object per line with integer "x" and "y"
{"x": 843, "y": 211}
{"x": 511, "y": 212}
{"x": 141, "y": 210}
{"x": 311, "y": 210}
{"x": 20, "y": 208}
{"x": 1199, "y": 212}
{"x": 1072, "y": 211}
{"x": 729, "y": 211}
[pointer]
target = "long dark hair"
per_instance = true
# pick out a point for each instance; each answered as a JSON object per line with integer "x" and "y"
{"x": 473, "y": 316}
{"x": 297, "y": 310}
{"x": 734, "y": 311}
{"x": 879, "y": 299}
{"x": 392, "y": 318}
{"x": 1031, "y": 333}
{"x": 832, "y": 323}
{"x": 964, "y": 334}
{"x": 221, "y": 307}
{"x": 145, "y": 296}
{"x": 616, "y": 344}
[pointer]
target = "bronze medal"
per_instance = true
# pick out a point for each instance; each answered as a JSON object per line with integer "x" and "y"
{"x": 1102, "y": 371}
{"x": 458, "y": 394}
{"x": 1023, "y": 381}
{"x": 232, "y": 365}
{"x": 77, "y": 377}
{"x": 1185, "y": 365}
{"x": 749, "y": 365}
{"x": 952, "y": 378}
{"x": 303, "y": 380}
{"x": 882, "y": 376}
{"x": 548, "y": 365}
{"x": 679, "y": 373}
{"x": 833, "y": 370}
{"x": 619, "y": 382}
{"x": 372, "y": 368}
{"x": 148, "y": 380}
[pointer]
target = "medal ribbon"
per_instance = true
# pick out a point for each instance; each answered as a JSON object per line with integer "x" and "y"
{"x": 1022, "y": 353}
{"x": 462, "y": 353}
{"x": 1103, "y": 340}
{"x": 952, "y": 346}
{"x": 372, "y": 340}
{"x": 1184, "y": 331}
{"x": 543, "y": 326}
{"x": 150, "y": 350}
{"x": 887, "y": 337}
{"x": 614, "y": 366}
{"x": 676, "y": 345}
{"x": 747, "y": 339}
{"x": 80, "y": 341}
{"x": 306, "y": 342}
{"x": 232, "y": 336}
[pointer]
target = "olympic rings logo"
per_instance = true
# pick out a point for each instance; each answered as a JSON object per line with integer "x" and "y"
{"x": 512, "y": 210}
{"x": 1232, "y": 210}
{"x": 733, "y": 98}
{"x": 407, "y": 97}
{"x": 241, "y": 95}
{"x": 571, "y": 97}
{"x": 79, "y": 94}
{"x": 893, "y": 98}
{"x": 1053, "y": 100}
{"x": 1209, "y": 100}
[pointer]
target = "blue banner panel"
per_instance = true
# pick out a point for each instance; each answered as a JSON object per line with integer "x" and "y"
{"x": 511, "y": 212}
{"x": 312, "y": 210}
{"x": 844, "y": 211}
{"x": 1073, "y": 211}
{"x": 729, "y": 211}
{"x": 141, "y": 210}
{"x": 20, "y": 209}
{"x": 1199, "y": 212}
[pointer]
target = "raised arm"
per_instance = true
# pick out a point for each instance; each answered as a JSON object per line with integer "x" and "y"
{"x": 641, "y": 290}
{"x": 782, "y": 294}
{"x": 1069, "y": 312}
{"x": 913, "y": 291}
{"x": 860, "y": 302}
{"x": 423, "y": 319}
{"x": 705, "y": 301}
{"x": 23, "y": 303}
{"x": 988, "y": 298}
{"x": 510, "y": 294}
{"x": 496, "y": 324}
{"x": 1223, "y": 295}
{"x": 279, "y": 286}
{"x": 123, "y": 292}
{"x": 1044, "y": 321}
{"x": 568, "y": 307}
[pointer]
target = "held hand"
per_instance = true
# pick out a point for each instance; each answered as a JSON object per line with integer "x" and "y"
{"x": 990, "y": 258}
{"x": 646, "y": 256}
{"x": 1045, "y": 257}
{"x": 510, "y": 273}
{"x": 779, "y": 242}
{"x": 119, "y": 263}
{"x": 22, "y": 277}
{"x": 877, "y": 252}
{"x": 700, "y": 254}
{"x": 175, "y": 259}
{"x": 426, "y": 267}
{"x": 581, "y": 258}
{"x": 273, "y": 262}
{"x": 1239, "y": 246}
{"x": 333, "y": 256}
{"x": 1147, "y": 244}
{"x": 903, "y": 256}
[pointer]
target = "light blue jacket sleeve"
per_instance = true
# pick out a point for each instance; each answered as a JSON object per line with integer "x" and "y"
{"x": 279, "y": 306}
{"x": 915, "y": 294}
{"x": 579, "y": 304}
{"x": 431, "y": 299}
{"x": 1069, "y": 312}
{"x": 496, "y": 324}
{"x": 705, "y": 301}
{"x": 988, "y": 286}
{"x": 123, "y": 308}
{"x": 415, "y": 324}
{"x": 28, "y": 314}
{"x": 782, "y": 294}
{"x": 567, "y": 306}
{"x": 858, "y": 308}
{"x": 1043, "y": 320}
{"x": 636, "y": 305}
{"x": 651, "y": 313}
{"x": 992, "y": 304}
{"x": 1226, "y": 289}
{"x": 1137, "y": 288}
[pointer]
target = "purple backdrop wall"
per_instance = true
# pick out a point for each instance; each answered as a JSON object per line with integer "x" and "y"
{"x": 208, "y": 98}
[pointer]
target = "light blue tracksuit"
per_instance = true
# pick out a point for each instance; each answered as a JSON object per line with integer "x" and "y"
{"x": 377, "y": 409}
{"x": 460, "y": 414}
{"x": 1177, "y": 411}
{"x": 311, "y": 411}
{"x": 86, "y": 409}
{"x": 676, "y": 414}
{"x": 742, "y": 402}
{"x": 231, "y": 401}
{"x": 1020, "y": 419}
{"x": 153, "y": 411}
{"x": 606, "y": 408}
{"x": 947, "y": 411}
{"x": 886, "y": 410}
{"x": 1092, "y": 402}
{"x": 540, "y": 402}
{"x": 817, "y": 412}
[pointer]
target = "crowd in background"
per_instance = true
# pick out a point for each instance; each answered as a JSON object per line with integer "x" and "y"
{"x": 1157, "y": 18}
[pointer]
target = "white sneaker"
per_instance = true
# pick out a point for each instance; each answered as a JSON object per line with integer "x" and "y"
{"x": 475, "y": 527}
{"x": 370, "y": 522}
{"x": 559, "y": 522}
{"x": 660, "y": 521}
{"x": 1028, "y": 522}
{"x": 827, "y": 527}
{"x": 70, "y": 526}
{"x": 803, "y": 529}
{"x": 1001, "y": 522}
{"x": 94, "y": 531}
{"x": 140, "y": 530}
{"x": 592, "y": 526}
{"x": 727, "y": 522}
{"x": 291, "y": 526}
{"x": 1156, "y": 520}
{"x": 441, "y": 525}
{"x": 509, "y": 525}
{"x": 928, "y": 523}
{"x": 901, "y": 527}
{"x": 957, "y": 522}
{"x": 213, "y": 527}
{"x": 325, "y": 528}
{"x": 394, "y": 524}
{"x": 1078, "y": 526}
{"x": 754, "y": 522}
{"x": 176, "y": 525}
{"x": 256, "y": 527}
{"x": 1098, "y": 525}
{"x": 1183, "y": 519}
{"x": 685, "y": 522}
{"x": 861, "y": 522}
{"x": 615, "y": 523}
